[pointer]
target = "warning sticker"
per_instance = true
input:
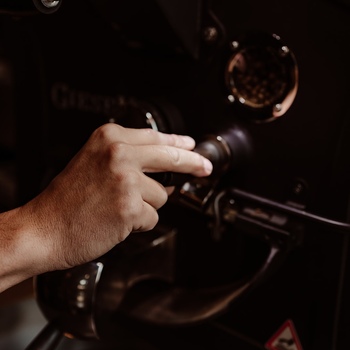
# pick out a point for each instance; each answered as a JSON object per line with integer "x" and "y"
{"x": 285, "y": 338}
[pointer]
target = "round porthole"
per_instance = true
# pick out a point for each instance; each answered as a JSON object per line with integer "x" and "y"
{"x": 262, "y": 75}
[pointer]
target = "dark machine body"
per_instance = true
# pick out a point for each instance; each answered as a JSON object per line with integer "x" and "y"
{"x": 284, "y": 198}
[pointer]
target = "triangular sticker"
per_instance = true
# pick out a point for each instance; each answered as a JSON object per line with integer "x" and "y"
{"x": 285, "y": 338}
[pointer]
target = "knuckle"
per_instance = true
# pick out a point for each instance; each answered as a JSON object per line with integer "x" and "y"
{"x": 118, "y": 151}
{"x": 152, "y": 222}
{"x": 162, "y": 198}
{"x": 129, "y": 211}
{"x": 174, "y": 140}
{"x": 128, "y": 180}
{"x": 107, "y": 131}
{"x": 174, "y": 155}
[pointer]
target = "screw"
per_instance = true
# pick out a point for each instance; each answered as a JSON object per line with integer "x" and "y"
{"x": 277, "y": 107}
{"x": 210, "y": 34}
{"x": 234, "y": 45}
{"x": 230, "y": 98}
{"x": 298, "y": 188}
{"x": 242, "y": 100}
{"x": 284, "y": 51}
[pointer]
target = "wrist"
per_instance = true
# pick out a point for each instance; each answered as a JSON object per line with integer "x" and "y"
{"x": 23, "y": 254}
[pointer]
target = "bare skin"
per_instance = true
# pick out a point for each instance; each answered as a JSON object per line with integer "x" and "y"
{"x": 95, "y": 202}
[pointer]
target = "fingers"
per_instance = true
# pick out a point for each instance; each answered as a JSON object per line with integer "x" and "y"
{"x": 152, "y": 151}
{"x": 147, "y": 136}
{"x": 168, "y": 158}
{"x": 147, "y": 220}
{"x": 141, "y": 200}
{"x": 153, "y": 192}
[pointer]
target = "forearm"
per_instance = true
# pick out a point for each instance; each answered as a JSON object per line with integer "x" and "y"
{"x": 20, "y": 251}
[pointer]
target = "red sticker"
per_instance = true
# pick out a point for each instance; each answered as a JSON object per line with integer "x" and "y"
{"x": 286, "y": 338}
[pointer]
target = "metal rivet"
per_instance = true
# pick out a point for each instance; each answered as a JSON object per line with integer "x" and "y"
{"x": 284, "y": 50}
{"x": 231, "y": 98}
{"x": 210, "y": 34}
{"x": 299, "y": 188}
{"x": 277, "y": 107}
{"x": 234, "y": 45}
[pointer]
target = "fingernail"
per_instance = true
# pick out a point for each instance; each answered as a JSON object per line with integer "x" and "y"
{"x": 208, "y": 166}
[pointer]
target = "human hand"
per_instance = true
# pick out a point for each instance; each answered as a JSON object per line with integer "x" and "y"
{"x": 103, "y": 194}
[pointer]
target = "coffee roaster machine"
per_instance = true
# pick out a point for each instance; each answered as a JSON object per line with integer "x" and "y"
{"x": 253, "y": 257}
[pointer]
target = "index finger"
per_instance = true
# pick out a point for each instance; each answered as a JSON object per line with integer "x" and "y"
{"x": 161, "y": 158}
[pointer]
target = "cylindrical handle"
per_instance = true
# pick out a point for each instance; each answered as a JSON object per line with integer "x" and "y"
{"x": 232, "y": 147}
